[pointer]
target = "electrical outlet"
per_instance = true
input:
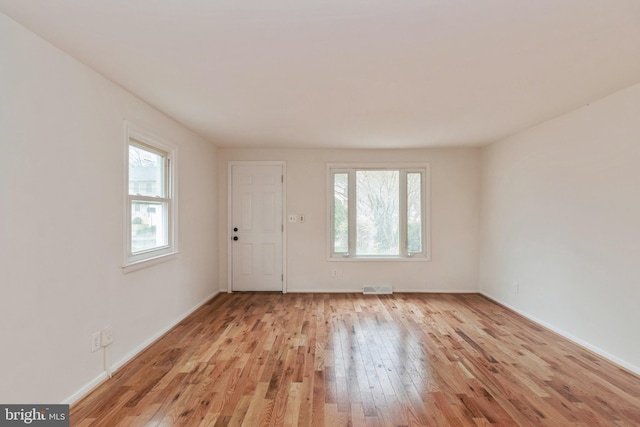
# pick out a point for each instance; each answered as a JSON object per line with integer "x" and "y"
{"x": 293, "y": 218}
{"x": 106, "y": 336}
{"x": 334, "y": 272}
{"x": 301, "y": 217}
{"x": 95, "y": 341}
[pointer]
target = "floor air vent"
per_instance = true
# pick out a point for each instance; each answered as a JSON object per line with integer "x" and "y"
{"x": 377, "y": 290}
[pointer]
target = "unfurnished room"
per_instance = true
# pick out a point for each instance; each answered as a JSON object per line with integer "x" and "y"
{"x": 320, "y": 213}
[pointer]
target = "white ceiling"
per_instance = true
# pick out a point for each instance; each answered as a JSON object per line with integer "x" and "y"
{"x": 351, "y": 73}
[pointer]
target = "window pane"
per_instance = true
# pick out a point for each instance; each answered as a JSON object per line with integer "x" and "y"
{"x": 146, "y": 172}
{"x": 341, "y": 213}
{"x": 148, "y": 226}
{"x": 377, "y": 216}
{"x": 414, "y": 212}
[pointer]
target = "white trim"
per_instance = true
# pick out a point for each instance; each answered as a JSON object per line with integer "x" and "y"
{"x": 434, "y": 291}
{"x": 139, "y": 135}
{"x": 91, "y": 385}
{"x": 395, "y": 291}
{"x": 610, "y": 357}
{"x": 86, "y": 389}
{"x": 391, "y": 258}
{"x": 139, "y": 349}
{"x": 377, "y": 165}
{"x": 230, "y": 164}
{"x": 426, "y": 205}
{"x": 229, "y": 227}
{"x": 349, "y": 168}
{"x": 149, "y": 262}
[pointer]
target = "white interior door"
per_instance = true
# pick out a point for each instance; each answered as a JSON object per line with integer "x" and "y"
{"x": 256, "y": 227}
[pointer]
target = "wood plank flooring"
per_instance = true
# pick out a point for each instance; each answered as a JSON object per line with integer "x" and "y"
{"x": 272, "y": 359}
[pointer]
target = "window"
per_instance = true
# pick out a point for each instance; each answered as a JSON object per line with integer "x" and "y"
{"x": 378, "y": 212}
{"x": 150, "y": 198}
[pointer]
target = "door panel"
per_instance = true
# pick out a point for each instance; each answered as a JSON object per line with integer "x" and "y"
{"x": 256, "y": 211}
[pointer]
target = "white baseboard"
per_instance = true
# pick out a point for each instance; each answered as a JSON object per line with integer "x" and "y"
{"x": 359, "y": 291}
{"x": 437, "y": 291}
{"x": 119, "y": 364}
{"x": 324, "y": 291}
{"x": 87, "y": 388}
{"x": 610, "y": 357}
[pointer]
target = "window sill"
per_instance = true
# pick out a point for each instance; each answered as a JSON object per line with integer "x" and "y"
{"x": 149, "y": 262}
{"x": 415, "y": 258}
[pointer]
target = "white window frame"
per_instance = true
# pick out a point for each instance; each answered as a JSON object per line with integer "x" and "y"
{"x": 404, "y": 168}
{"x": 146, "y": 140}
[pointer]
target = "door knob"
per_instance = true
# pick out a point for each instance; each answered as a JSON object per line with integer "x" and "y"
{"x": 235, "y": 228}
{"x": 235, "y": 237}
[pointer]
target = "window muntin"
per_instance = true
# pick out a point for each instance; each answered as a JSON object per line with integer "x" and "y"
{"x": 378, "y": 212}
{"x": 150, "y": 199}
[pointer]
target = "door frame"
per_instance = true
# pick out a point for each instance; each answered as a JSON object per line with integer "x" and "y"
{"x": 229, "y": 235}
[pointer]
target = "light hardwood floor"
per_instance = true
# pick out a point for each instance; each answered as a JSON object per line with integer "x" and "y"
{"x": 333, "y": 360}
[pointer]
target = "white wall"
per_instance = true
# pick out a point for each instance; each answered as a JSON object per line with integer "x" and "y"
{"x": 62, "y": 223}
{"x": 455, "y": 178}
{"x": 561, "y": 216}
